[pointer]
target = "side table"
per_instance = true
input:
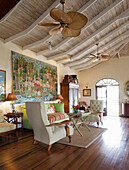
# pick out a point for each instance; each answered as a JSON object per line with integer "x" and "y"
{"x": 13, "y": 118}
{"x": 76, "y": 117}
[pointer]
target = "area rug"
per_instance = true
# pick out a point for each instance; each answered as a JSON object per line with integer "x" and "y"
{"x": 87, "y": 139}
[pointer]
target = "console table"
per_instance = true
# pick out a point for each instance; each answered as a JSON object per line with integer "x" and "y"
{"x": 13, "y": 118}
{"x": 125, "y": 109}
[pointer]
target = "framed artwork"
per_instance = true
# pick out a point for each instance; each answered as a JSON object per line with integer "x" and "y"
{"x": 2, "y": 85}
{"x": 33, "y": 80}
{"x": 86, "y": 92}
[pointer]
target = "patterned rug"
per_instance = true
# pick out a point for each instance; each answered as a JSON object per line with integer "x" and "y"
{"x": 87, "y": 139}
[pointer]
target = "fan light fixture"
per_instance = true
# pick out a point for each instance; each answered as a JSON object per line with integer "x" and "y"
{"x": 50, "y": 45}
{"x": 68, "y": 24}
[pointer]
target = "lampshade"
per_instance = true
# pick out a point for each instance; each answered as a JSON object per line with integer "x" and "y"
{"x": 11, "y": 97}
{"x": 59, "y": 97}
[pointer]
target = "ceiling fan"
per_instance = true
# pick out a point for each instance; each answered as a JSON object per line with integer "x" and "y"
{"x": 68, "y": 24}
{"x": 99, "y": 56}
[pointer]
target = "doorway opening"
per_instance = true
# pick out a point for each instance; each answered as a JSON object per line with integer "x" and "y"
{"x": 108, "y": 91}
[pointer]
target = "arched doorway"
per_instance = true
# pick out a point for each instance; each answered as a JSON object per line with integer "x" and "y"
{"x": 108, "y": 90}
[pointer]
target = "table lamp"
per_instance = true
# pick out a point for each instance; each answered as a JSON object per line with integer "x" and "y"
{"x": 59, "y": 97}
{"x": 11, "y": 97}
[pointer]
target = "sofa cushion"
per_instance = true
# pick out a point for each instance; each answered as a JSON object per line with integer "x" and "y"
{"x": 1, "y": 117}
{"x": 59, "y": 107}
{"x": 5, "y": 127}
{"x": 51, "y": 109}
{"x": 54, "y": 117}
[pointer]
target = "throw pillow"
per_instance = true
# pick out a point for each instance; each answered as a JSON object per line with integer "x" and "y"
{"x": 59, "y": 107}
{"x": 51, "y": 109}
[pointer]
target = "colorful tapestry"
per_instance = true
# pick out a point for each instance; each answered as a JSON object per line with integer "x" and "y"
{"x": 33, "y": 80}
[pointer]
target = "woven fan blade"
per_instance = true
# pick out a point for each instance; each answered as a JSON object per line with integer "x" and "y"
{"x": 78, "y": 20}
{"x": 104, "y": 59}
{"x": 105, "y": 55}
{"x": 68, "y": 32}
{"x": 55, "y": 31}
{"x": 95, "y": 60}
{"x": 93, "y": 55}
{"x": 49, "y": 24}
{"x": 60, "y": 16}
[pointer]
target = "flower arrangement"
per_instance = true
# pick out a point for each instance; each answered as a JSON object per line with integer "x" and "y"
{"x": 75, "y": 108}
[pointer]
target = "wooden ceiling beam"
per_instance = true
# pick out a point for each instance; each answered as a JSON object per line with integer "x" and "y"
{"x": 122, "y": 15}
{"x": 78, "y": 55}
{"x": 87, "y": 58}
{"x": 31, "y": 27}
{"x": 63, "y": 60}
{"x": 106, "y": 45}
{"x": 118, "y": 55}
{"x": 84, "y": 8}
{"x": 107, "y": 51}
{"x": 118, "y": 50}
{"x": 82, "y": 60}
{"x": 89, "y": 66}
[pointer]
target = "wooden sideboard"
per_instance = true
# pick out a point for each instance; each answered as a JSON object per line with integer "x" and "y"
{"x": 125, "y": 109}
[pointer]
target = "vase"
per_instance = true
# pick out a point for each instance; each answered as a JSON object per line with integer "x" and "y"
{"x": 76, "y": 110}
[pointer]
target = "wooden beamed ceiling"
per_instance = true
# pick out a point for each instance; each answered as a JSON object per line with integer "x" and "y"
{"x": 108, "y": 25}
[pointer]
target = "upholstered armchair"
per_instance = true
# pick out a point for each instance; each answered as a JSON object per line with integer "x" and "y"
{"x": 43, "y": 130}
{"x": 96, "y": 109}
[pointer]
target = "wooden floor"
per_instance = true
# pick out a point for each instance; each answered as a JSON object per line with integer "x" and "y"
{"x": 109, "y": 152}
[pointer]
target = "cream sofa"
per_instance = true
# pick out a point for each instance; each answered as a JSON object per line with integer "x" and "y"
{"x": 6, "y": 127}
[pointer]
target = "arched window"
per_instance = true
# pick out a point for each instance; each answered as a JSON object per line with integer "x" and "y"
{"x": 107, "y": 82}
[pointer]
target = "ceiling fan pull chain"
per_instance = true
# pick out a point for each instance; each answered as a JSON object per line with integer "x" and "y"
{"x": 63, "y": 3}
{"x": 97, "y": 48}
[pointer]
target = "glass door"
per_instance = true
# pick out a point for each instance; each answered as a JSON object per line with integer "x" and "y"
{"x": 113, "y": 100}
{"x": 71, "y": 99}
{"x": 108, "y": 91}
{"x": 75, "y": 96}
{"x": 101, "y": 94}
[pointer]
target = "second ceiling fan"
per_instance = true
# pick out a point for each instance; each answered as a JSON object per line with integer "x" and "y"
{"x": 99, "y": 56}
{"x": 68, "y": 24}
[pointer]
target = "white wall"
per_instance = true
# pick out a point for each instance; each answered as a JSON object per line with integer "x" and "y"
{"x": 117, "y": 69}
{"x": 5, "y": 64}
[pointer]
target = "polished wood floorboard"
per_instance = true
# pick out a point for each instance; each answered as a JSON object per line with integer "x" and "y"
{"x": 109, "y": 152}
